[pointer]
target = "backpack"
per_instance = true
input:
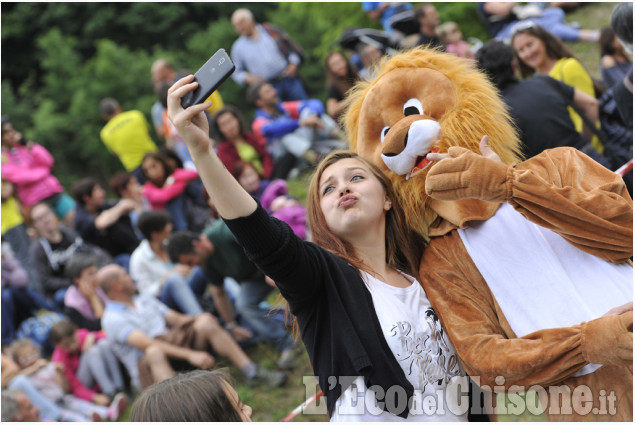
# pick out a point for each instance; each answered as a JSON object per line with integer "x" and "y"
{"x": 285, "y": 43}
{"x": 37, "y": 329}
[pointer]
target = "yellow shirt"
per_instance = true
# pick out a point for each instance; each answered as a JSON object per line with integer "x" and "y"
{"x": 11, "y": 215}
{"x": 128, "y": 136}
{"x": 249, "y": 154}
{"x": 571, "y": 72}
{"x": 217, "y": 102}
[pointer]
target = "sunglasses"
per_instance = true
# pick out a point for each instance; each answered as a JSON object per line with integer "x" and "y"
{"x": 523, "y": 25}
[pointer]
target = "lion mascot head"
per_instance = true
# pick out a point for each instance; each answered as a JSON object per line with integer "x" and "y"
{"x": 424, "y": 101}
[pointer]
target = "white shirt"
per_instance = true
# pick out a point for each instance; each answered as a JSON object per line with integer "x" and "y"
{"x": 539, "y": 279}
{"x": 413, "y": 333}
{"x": 146, "y": 269}
{"x": 120, "y": 320}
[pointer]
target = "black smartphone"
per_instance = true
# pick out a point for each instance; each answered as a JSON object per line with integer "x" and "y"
{"x": 209, "y": 77}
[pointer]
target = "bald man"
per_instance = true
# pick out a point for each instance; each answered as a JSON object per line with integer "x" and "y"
{"x": 150, "y": 339}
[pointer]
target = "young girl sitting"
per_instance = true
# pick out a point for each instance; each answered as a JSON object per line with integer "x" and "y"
{"x": 165, "y": 187}
{"x": 276, "y": 199}
{"x": 88, "y": 360}
{"x": 48, "y": 378}
{"x": 451, "y": 35}
{"x": 273, "y": 196}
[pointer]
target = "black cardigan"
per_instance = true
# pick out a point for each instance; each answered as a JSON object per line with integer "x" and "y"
{"x": 335, "y": 311}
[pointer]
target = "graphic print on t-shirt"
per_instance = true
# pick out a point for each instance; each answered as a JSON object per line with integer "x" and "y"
{"x": 424, "y": 355}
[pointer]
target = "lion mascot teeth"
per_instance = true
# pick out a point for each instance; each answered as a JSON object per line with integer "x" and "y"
{"x": 524, "y": 258}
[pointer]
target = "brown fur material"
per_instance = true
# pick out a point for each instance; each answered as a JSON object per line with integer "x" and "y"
{"x": 452, "y": 92}
{"x": 562, "y": 190}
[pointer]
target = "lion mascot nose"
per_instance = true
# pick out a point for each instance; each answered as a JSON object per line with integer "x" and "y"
{"x": 406, "y": 146}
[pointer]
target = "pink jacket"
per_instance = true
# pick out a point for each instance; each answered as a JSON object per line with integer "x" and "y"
{"x": 174, "y": 186}
{"x": 30, "y": 171}
{"x": 71, "y": 364}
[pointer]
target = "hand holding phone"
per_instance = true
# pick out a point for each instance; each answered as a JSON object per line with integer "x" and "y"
{"x": 209, "y": 77}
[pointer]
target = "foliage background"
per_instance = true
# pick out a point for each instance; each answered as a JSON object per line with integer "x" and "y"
{"x": 60, "y": 59}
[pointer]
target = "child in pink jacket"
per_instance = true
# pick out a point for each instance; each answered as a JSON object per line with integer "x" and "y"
{"x": 28, "y": 166}
{"x": 89, "y": 365}
{"x": 166, "y": 186}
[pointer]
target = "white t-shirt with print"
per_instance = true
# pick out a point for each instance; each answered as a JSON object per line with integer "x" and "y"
{"x": 414, "y": 334}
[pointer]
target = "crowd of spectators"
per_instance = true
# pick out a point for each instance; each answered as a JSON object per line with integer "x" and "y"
{"x": 123, "y": 292}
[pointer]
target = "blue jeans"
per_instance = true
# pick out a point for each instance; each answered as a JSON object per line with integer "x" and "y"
{"x": 176, "y": 208}
{"x": 179, "y": 293}
{"x": 552, "y": 19}
{"x": 272, "y": 330}
{"x": 19, "y": 304}
{"x": 58, "y": 297}
{"x": 19, "y": 242}
{"x": 49, "y": 411}
{"x": 123, "y": 260}
{"x": 289, "y": 88}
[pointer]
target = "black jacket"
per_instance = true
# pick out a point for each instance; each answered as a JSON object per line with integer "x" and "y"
{"x": 335, "y": 311}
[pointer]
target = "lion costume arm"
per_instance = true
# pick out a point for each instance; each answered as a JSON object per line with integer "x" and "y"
{"x": 566, "y": 191}
{"x": 484, "y": 340}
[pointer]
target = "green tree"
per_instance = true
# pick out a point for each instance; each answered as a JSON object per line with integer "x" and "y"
{"x": 60, "y": 59}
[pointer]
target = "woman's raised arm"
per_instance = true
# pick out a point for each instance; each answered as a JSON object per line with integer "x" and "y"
{"x": 228, "y": 196}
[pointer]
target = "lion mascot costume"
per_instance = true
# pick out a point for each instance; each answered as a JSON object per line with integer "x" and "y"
{"x": 527, "y": 263}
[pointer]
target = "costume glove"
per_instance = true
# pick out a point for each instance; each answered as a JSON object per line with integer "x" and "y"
{"x": 609, "y": 340}
{"x": 468, "y": 175}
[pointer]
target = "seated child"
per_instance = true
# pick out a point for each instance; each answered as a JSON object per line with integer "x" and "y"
{"x": 165, "y": 187}
{"x": 126, "y": 186}
{"x": 88, "y": 361}
{"x": 249, "y": 179}
{"x": 451, "y": 35}
{"x": 281, "y": 205}
{"x": 273, "y": 196}
{"x": 84, "y": 301}
{"x": 48, "y": 378}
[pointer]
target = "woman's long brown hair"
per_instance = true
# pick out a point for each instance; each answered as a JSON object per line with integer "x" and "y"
{"x": 342, "y": 84}
{"x": 404, "y": 247}
{"x": 554, "y": 47}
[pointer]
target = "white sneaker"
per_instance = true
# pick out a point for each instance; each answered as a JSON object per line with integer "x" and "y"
{"x": 118, "y": 405}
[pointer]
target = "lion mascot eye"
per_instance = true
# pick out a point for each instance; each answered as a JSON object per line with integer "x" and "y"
{"x": 384, "y": 131}
{"x": 413, "y": 107}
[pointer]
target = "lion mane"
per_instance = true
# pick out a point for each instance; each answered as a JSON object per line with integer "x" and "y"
{"x": 477, "y": 111}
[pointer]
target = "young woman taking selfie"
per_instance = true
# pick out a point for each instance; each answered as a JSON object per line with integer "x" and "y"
{"x": 373, "y": 339}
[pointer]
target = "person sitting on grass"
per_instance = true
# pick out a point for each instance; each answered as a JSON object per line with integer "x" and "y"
{"x": 220, "y": 257}
{"x": 89, "y": 364}
{"x": 49, "y": 379}
{"x": 150, "y": 339}
{"x": 84, "y": 301}
{"x": 17, "y": 407}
